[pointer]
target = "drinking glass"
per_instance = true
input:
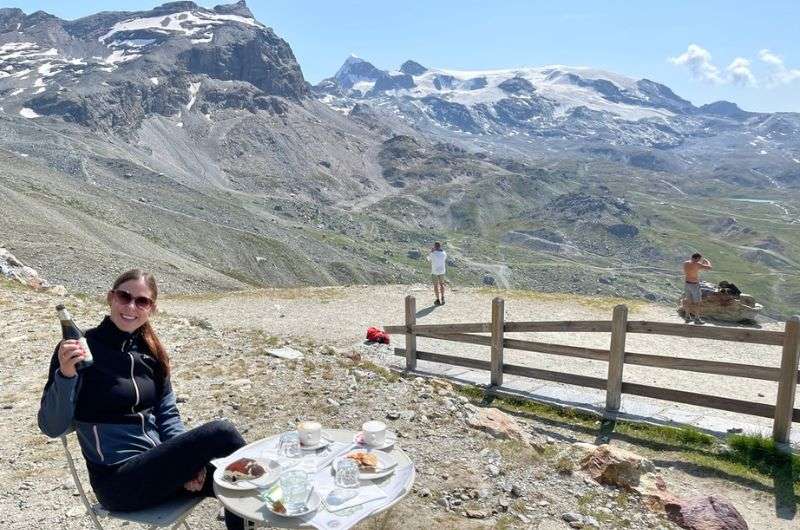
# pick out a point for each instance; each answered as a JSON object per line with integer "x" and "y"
{"x": 347, "y": 479}
{"x": 296, "y": 488}
{"x": 346, "y": 473}
{"x": 290, "y": 445}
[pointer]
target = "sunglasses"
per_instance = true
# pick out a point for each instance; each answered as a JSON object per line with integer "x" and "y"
{"x": 125, "y": 298}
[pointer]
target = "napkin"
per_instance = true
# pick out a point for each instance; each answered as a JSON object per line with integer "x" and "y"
{"x": 365, "y": 494}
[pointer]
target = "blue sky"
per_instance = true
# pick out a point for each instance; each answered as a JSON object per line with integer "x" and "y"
{"x": 742, "y": 51}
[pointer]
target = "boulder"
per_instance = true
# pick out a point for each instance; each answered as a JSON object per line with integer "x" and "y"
{"x": 414, "y": 254}
{"x": 498, "y": 424}
{"x": 612, "y": 465}
{"x": 707, "y": 512}
{"x": 725, "y": 307}
{"x": 13, "y": 269}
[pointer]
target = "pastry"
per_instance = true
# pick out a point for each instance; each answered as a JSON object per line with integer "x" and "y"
{"x": 243, "y": 469}
{"x": 367, "y": 462}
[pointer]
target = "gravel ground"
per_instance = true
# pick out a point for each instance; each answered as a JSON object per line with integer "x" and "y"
{"x": 221, "y": 370}
{"x": 342, "y": 315}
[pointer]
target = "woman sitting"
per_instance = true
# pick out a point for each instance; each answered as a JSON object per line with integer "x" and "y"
{"x": 137, "y": 450}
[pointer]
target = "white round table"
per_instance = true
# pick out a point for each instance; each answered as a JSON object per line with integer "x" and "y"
{"x": 249, "y": 504}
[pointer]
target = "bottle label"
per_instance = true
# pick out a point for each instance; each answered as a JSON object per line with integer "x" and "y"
{"x": 88, "y": 353}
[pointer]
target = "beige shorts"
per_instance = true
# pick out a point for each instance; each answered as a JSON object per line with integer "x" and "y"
{"x": 438, "y": 279}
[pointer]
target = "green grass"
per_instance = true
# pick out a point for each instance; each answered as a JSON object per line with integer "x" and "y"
{"x": 761, "y": 454}
{"x": 380, "y": 370}
{"x": 747, "y": 457}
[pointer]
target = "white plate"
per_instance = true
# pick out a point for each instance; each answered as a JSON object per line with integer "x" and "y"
{"x": 323, "y": 443}
{"x": 311, "y": 506}
{"x": 388, "y": 442}
{"x": 386, "y": 465}
{"x": 272, "y": 467}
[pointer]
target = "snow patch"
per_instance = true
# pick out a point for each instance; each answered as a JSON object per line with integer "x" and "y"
{"x": 120, "y": 56}
{"x": 131, "y": 43}
{"x": 183, "y": 23}
{"x": 47, "y": 69}
{"x": 762, "y": 152}
{"x": 17, "y": 92}
{"x": 154, "y": 80}
{"x": 26, "y": 112}
{"x": 193, "y": 88}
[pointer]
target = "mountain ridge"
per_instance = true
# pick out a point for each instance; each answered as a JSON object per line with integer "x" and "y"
{"x": 188, "y": 141}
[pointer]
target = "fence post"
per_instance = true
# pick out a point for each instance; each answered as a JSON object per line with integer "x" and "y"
{"x": 498, "y": 323}
{"x": 616, "y": 358}
{"x": 787, "y": 382}
{"x": 411, "y": 337}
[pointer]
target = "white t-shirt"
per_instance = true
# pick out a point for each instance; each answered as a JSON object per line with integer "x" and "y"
{"x": 438, "y": 258}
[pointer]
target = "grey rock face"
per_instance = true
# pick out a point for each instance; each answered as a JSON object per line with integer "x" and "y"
{"x": 412, "y": 68}
{"x": 451, "y": 114}
{"x": 476, "y": 83}
{"x": 392, "y": 82}
{"x": 260, "y": 58}
{"x": 516, "y": 85}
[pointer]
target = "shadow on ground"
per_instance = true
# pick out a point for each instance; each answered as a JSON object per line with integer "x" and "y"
{"x": 425, "y": 311}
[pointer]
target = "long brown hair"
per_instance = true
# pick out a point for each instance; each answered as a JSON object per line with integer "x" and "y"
{"x": 157, "y": 349}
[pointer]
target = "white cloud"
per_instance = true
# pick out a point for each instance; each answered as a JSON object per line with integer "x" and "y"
{"x": 779, "y": 73}
{"x": 698, "y": 60}
{"x": 739, "y": 72}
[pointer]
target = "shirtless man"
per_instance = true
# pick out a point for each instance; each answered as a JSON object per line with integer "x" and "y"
{"x": 692, "y": 296}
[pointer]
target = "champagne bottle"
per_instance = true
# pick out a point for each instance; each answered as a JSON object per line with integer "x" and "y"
{"x": 70, "y": 331}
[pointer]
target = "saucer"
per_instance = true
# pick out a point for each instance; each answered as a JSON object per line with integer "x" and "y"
{"x": 312, "y": 505}
{"x": 388, "y": 441}
{"x": 323, "y": 443}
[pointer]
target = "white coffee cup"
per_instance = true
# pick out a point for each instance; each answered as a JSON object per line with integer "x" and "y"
{"x": 374, "y": 433}
{"x": 310, "y": 433}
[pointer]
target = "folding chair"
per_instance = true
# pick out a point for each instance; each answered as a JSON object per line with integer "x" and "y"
{"x": 169, "y": 514}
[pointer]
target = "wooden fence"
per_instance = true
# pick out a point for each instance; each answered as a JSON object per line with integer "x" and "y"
{"x": 787, "y": 376}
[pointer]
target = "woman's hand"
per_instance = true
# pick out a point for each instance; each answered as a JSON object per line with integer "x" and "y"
{"x": 196, "y": 484}
{"x": 70, "y": 353}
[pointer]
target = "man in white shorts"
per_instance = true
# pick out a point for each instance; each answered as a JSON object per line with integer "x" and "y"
{"x": 438, "y": 259}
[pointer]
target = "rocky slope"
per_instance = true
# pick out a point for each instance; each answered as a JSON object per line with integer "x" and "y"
{"x": 186, "y": 140}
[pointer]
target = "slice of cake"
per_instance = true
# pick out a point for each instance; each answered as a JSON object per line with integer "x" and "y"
{"x": 243, "y": 469}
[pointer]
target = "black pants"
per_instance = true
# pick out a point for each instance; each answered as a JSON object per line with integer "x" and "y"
{"x": 159, "y": 474}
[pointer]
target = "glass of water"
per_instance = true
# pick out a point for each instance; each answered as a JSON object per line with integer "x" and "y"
{"x": 296, "y": 489}
{"x": 290, "y": 445}
{"x": 346, "y": 473}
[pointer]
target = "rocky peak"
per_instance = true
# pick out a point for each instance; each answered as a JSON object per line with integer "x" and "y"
{"x": 239, "y": 8}
{"x": 663, "y": 96}
{"x": 726, "y": 109}
{"x": 356, "y": 69}
{"x": 412, "y": 68}
{"x": 113, "y": 69}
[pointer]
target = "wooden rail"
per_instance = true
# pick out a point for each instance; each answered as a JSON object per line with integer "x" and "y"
{"x": 787, "y": 376}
